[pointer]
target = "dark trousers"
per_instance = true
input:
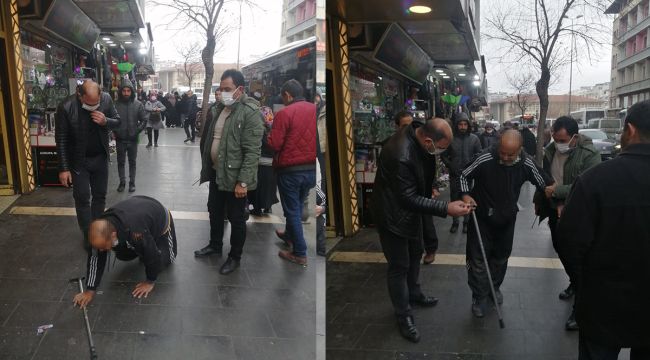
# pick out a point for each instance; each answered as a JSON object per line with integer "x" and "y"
{"x": 218, "y": 203}
{"x": 89, "y": 184}
{"x": 497, "y": 240}
{"x": 190, "y": 124}
{"x": 123, "y": 148}
{"x": 552, "y": 225}
{"x": 430, "y": 237}
{"x": 320, "y": 235}
{"x": 454, "y": 194}
{"x": 595, "y": 350}
{"x": 155, "y": 135}
{"x": 294, "y": 189}
{"x": 403, "y": 257}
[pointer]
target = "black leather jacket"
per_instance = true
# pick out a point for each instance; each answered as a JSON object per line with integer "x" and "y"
{"x": 401, "y": 195}
{"x": 72, "y": 135}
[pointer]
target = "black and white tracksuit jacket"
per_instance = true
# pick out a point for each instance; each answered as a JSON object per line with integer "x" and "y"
{"x": 144, "y": 228}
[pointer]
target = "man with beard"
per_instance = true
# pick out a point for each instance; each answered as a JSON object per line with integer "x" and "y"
{"x": 134, "y": 120}
{"x": 498, "y": 176}
{"x": 604, "y": 243}
{"x": 402, "y": 196}
{"x": 463, "y": 149}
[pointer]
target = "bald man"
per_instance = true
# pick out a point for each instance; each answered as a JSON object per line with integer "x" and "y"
{"x": 498, "y": 175}
{"x": 402, "y": 196}
{"x": 137, "y": 227}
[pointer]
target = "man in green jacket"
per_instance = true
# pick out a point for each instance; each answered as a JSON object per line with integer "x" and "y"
{"x": 230, "y": 151}
{"x": 569, "y": 155}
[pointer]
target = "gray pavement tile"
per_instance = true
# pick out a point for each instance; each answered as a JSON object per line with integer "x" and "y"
{"x": 387, "y": 337}
{"x": 31, "y": 314}
{"x": 159, "y": 347}
{"x": 63, "y": 270}
{"x": 208, "y": 347}
{"x": 335, "y": 354}
{"x": 537, "y": 342}
{"x": 18, "y": 343}
{"x": 135, "y": 318}
{"x": 269, "y": 299}
{"x": 6, "y": 309}
{"x": 274, "y": 349}
{"x": 218, "y": 321}
{"x": 293, "y": 324}
{"x": 483, "y": 341}
{"x": 378, "y": 312}
{"x": 343, "y": 335}
{"x": 437, "y": 356}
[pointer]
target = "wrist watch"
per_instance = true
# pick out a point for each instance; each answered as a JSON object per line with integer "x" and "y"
{"x": 243, "y": 184}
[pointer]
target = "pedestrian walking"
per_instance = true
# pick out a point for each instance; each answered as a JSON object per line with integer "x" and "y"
{"x": 190, "y": 120}
{"x": 154, "y": 123}
{"x": 401, "y": 197}
{"x": 604, "y": 241}
{"x": 489, "y": 136}
{"x": 133, "y": 120}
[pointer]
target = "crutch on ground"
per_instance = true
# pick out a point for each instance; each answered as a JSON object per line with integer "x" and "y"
{"x": 91, "y": 343}
{"x": 489, "y": 274}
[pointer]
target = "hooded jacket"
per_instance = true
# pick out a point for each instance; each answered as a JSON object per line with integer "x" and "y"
{"x": 402, "y": 192}
{"x": 132, "y": 114}
{"x": 72, "y": 135}
{"x": 463, "y": 148}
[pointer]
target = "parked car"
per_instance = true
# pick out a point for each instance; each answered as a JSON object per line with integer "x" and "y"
{"x": 611, "y": 126}
{"x": 607, "y": 147}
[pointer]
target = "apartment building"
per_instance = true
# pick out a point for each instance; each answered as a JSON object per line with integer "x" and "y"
{"x": 302, "y": 19}
{"x": 630, "y": 81}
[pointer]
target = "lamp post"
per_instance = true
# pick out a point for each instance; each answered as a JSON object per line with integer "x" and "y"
{"x": 571, "y": 66}
{"x": 239, "y": 34}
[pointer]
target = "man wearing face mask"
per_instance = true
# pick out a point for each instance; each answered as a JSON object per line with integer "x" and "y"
{"x": 402, "y": 196}
{"x": 498, "y": 175}
{"x": 489, "y": 136}
{"x": 462, "y": 150}
{"x": 567, "y": 157}
{"x": 230, "y": 151}
{"x": 604, "y": 244}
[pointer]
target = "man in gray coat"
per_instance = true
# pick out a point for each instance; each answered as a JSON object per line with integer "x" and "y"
{"x": 134, "y": 120}
{"x": 462, "y": 150}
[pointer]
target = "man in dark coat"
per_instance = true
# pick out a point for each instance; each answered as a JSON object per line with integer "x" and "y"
{"x": 134, "y": 120}
{"x": 489, "y": 136}
{"x": 530, "y": 141}
{"x": 401, "y": 198}
{"x": 604, "y": 244}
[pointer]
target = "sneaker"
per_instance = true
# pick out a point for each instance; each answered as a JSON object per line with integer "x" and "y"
{"x": 148, "y": 146}
{"x": 155, "y": 145}
{"x": 186, "y": 140}
{"x": 477, "y": 308}
{"x": 131, "y": 187}
{"x": 289, "y": 256}
{"x": 121, "y": 186}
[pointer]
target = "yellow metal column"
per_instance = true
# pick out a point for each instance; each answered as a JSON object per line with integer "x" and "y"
{"x": 343, "y": 117}
{"x": 18, "y": 97}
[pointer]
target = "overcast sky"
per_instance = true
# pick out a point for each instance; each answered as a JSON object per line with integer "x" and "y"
{"x": 260, "y": 33}
{"x": 584, "y": 74}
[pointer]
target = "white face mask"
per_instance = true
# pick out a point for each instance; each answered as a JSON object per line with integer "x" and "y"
{"x": 89, "y": 107}
{"x": 227, "y": 97}
{"x": 512, "y": 163}
{"x": 435, "y": 151}
{"x": 564, "y": 148}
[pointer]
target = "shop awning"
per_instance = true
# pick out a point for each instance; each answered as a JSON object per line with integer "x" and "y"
{"x": 114, "y": 15}
{"x": 145, "y": 70}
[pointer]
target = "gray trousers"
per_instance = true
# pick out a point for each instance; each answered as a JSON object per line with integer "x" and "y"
{"x": 123, "y": 148}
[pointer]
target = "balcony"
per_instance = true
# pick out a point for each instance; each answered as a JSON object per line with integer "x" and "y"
{"x": 307, "y": 24}
{"x": 633, "y": 87}
{"x": 641, "y": 55}
{"x": 632, "y": 31}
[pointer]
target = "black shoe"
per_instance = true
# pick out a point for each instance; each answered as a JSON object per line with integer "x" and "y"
{"x": 454, "y": 228}
{"x": 186, "y": 140}
{"x": 208, "y": 250}
{"x": 567, "y": 293}
{"x": 423, "y": 300}
{"x": 131, "y": 187}
{"x": 407, "y": 328}
{"x": 477, "y": 308}
{"x": 571, "y": 323}
{"x": 155, "y": 145}
{"x": 229, "y": 266}
{"x": 464, "y": 228}
{"x": 256, "y": 212}
{"x": 499, "y": 296}
{"x": 121, "y": 186}
{"x": 148, "y": 145}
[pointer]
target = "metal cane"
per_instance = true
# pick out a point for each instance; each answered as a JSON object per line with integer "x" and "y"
{"x": 489, "y": 274}
{"x": 91, "y": 344}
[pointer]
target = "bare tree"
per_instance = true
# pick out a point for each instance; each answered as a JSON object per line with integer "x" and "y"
{"x": 538, "y": 33}
{"x": 191, "y": 55}
{"x": 523, "y": 85}
{"x": 206, "y": 16}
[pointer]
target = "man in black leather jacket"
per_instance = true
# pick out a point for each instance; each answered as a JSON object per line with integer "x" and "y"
{"x": 82, "y": 123}
{"x": 401, "y": 198}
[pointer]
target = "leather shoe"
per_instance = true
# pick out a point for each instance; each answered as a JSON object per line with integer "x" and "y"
{"x": 229, "y": 266}
{"x": 289, "y": 256}
{"x": 454, "y": 228}
{"x": 571, "y": 323}
{"x": 131, "y": 187}
{"x": 283, "y": 236}
{"x": 429, "y": 258}
{"x": 208, "y": 250}
{"x": 121, "y": 187}
{"x": 567, "y": 293}
{"x": 407, "y": 328}
{"x": 423, "y": 300}
{"x": 464, "y": 228}
{"x": 477, "y": 308}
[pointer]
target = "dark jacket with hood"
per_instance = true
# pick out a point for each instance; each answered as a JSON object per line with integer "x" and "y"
{"x": 604, "y": 243}
{"x": 530, "y": 141}
{"x": 140, "y": 222}
{"x": 402, "y": 192}
{"x": 132, "y": 114}
{"x": 463, "y": 148}
{"x": 72, "y": 134}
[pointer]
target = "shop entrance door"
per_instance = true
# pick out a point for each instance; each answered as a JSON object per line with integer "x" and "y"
{"x": 6, "y": 166}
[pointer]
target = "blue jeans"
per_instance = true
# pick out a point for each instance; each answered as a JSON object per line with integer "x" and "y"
{"x": 294, "y": 189}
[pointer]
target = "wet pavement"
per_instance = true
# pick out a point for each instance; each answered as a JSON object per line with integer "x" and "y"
{"x": 361, "y": 324}
{"x": 264, "y": 310}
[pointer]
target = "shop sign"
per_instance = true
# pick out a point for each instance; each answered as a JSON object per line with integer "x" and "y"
{"x": 399, "y": 52}
{"x": 67, "y": 21}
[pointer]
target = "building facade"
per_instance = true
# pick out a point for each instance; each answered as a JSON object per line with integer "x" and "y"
{"x": 508, "y": 108}
{"x": 172, "y": 75}
{"x": 630, "y": 80}
{"x": 302, "y": 19}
